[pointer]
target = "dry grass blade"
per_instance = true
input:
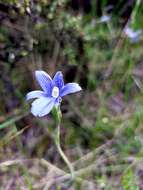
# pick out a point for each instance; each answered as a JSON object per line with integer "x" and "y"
{"x": 7, "y": 140}
{"x": 55, "y": 174}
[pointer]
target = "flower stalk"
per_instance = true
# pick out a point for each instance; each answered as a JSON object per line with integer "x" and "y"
{"x": 58, "y": 115}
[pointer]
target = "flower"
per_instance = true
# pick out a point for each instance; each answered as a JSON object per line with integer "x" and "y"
{"x": 105, "y": 18}
{"x": 132, "y": 34}
{"x": 53, "y": 91}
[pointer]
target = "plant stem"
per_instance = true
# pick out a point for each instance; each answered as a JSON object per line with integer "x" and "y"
{"x": 57, "y": 142}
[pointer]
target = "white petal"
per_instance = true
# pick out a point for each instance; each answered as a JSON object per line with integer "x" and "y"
{"x": 46, "y": 110}
{"x": 35, "y": 94}
{"x": 39, "y": 104}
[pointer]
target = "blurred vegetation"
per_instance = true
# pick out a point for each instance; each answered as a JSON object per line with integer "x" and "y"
{"x": 102, "y": 126}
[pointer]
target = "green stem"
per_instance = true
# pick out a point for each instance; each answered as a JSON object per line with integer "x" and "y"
{"x": 133, "y": 16}
{"x": 57, "y": 142}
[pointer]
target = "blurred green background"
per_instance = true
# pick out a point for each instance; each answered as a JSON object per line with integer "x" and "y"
{"x": 97, "y": 43}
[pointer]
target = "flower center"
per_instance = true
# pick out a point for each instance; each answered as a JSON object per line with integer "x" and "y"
{"x": 55, "y": 92}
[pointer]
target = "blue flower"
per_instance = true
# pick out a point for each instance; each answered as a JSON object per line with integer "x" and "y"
{"x": 105, "y": 18}
{"x": 133, "y": 35}
{"x": 53, "y": 91}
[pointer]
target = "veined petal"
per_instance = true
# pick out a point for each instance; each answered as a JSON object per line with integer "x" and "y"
{"x": 35, "y": 94}
{"x": 58, "y": 79}
{"x": 39, "y": 104}
{"x": 44, "y": 80}
{"x": 70, "y": 88}
{"x": 46, "y": 110}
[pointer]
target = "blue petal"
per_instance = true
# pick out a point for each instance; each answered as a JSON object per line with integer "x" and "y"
{"x": 70, "y": 88}
{"x": 44, "y": 80}
{"x": 35, "y": 94}
{"x": 39, "y": 105}
{"x": 58, "y": 79}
